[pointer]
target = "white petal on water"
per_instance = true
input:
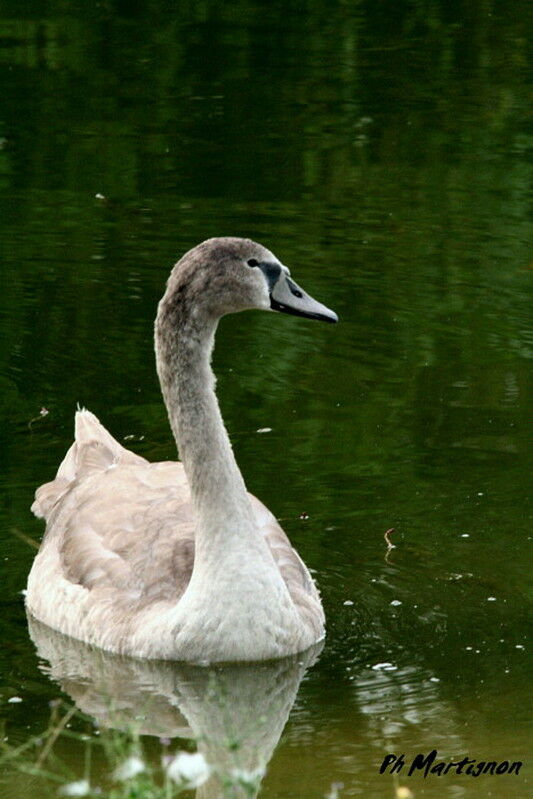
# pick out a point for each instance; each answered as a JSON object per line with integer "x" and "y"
{"x": 129, "y": 768}
{"x": 187, "y": 769}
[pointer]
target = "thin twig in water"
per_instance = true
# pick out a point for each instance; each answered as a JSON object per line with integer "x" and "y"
{"x": 26, "y": 538}
{"x": 386, "y": 535}
{"x": 42, "y": 413}
{"x": 54, "y": 736}
{"x": 390, "y": 545}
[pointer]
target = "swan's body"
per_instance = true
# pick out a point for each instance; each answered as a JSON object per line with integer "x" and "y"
{"x": 176, "y": 560}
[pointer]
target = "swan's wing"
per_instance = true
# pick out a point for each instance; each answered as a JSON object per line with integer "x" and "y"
{"x": 117, "y": 525}
{"x": 131, "y": 530}
{"x": 123, "y": 528}
{"x": 93, "y": 450}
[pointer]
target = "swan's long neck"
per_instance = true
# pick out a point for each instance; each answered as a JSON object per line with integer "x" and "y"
{"x": 222, "y": 506}
{"x": 236, "y": 605}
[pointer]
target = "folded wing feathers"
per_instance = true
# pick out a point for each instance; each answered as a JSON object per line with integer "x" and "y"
{"x": 94, "y": 449}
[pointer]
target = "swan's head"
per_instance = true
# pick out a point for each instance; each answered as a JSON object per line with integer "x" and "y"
{"x": 224, "y": 275}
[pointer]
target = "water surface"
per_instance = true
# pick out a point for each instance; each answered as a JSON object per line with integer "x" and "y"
{"x": 380, "y": 151}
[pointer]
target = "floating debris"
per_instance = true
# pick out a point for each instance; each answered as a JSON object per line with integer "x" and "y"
{"x": 42, "y": 413}
{"x": 454, "y": 577}
{"x": 264, "y": 430}
{"x": 386, "y": 535}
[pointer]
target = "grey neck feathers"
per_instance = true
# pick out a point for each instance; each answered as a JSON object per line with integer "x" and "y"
{"x": 184, "y": 343}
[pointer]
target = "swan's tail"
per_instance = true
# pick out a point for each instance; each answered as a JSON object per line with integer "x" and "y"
{"x": 93, "y": 450}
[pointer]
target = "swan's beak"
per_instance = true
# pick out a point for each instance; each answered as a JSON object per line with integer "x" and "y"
{"x": 287, "y": 297}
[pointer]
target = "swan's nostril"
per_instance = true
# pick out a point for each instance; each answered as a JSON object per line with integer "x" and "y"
{"x": 294, "y": 289}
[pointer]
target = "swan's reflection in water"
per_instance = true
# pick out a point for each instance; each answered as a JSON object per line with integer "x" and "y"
{"x": 235, "y": 712}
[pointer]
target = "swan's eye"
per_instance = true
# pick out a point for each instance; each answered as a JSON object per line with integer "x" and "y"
{"x": 253, "y": 262}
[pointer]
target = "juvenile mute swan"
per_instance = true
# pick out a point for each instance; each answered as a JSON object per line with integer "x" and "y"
{"x": 176, "y": 560}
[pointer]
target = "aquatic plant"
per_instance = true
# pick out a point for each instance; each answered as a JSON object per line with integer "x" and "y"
{"x": 115, "y": 763}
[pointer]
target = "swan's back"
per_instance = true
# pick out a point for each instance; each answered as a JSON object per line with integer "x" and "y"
{"x": 119, "y": 545}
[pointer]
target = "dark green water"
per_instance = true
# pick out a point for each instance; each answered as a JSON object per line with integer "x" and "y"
{"x": 380, "y": 150}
